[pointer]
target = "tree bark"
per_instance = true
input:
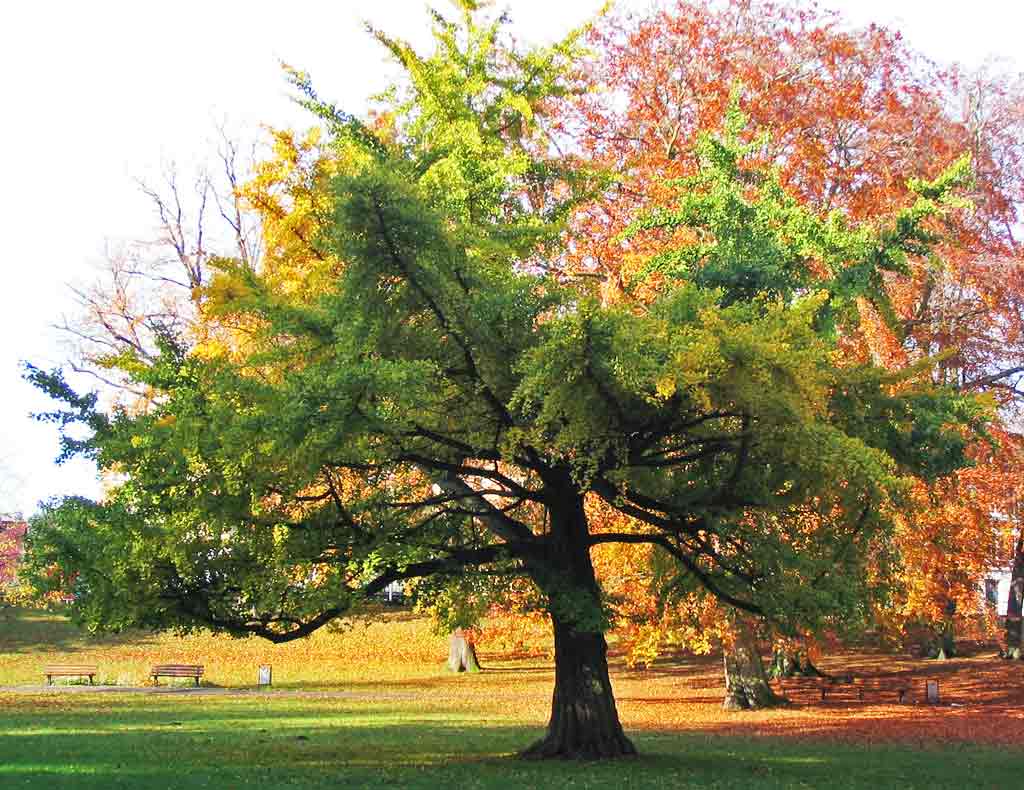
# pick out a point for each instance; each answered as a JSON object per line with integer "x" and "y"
{"x": 584, "y": 722}
{"x": 1015, "y": 601}
{"x": 788, "y": 665}
{"x": 947, "y": 641}
{"x": 462, "y": 653}
{"x": 746, "y": 684}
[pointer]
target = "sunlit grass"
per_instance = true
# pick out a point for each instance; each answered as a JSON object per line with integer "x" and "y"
{"x": 103, "y": 741}
{"x": 396, "y": 645}
{"x": 372, "y": 706}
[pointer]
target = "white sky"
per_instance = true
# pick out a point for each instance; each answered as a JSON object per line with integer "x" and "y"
{"x": 99, "y": 93}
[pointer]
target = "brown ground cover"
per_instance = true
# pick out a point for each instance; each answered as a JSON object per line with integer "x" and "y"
{"x": 981, "y": 701}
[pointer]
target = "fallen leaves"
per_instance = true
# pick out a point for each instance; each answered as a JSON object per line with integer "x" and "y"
{"x": 398, "y": 661}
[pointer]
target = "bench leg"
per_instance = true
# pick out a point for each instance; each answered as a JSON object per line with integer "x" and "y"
{"x": 90, "y": 680}
{"x": 49, "y": 680}
{"x": 197, "y": 681}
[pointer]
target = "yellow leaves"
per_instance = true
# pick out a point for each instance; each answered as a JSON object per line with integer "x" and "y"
{"x": 769, "y": 360}
{"x": 396, "y": 644}
{"x": 666, "y": 386}
{"x": 223, "y": 293}
{"x": 520, "y": 104}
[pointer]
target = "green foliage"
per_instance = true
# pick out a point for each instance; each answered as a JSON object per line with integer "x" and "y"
{"x": 752, "y": 240}
{"x": 447, "y": 407}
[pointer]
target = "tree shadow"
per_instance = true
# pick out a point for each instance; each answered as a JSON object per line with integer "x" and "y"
{"x": 28, "y": 631}
{"x": 173, "y": 743}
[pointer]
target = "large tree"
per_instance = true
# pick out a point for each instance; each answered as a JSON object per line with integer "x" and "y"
{"x": 446, "y": 401}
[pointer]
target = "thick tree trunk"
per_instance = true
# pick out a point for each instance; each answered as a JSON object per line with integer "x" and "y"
{"x": 462, "y": 653}
{"x": 584, "y": 723}
{"x": 1015, "y": 602}
{"x": 746, "y": 684}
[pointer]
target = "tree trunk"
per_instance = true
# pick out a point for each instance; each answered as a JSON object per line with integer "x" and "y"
{"x": 584, "y": 723}
{"x": 1015, "y": 601}
{"x": 784, "y": 665}
{"x": 746, "y": 684}
{"x": 462, "y": 653}
{"x": 947, "y": 641}
{"x": 788, "y": 665}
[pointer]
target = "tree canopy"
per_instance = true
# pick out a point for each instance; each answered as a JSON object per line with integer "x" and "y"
{"x": 440, "y": 397}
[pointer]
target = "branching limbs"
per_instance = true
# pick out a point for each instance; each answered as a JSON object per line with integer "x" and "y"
{"x": 216, "y": 607}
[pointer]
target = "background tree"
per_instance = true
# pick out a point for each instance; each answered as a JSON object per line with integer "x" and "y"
{"x": 1015, "y": 596}
{"x": 12, "y": 535}
{"x": 852, "y": 114}
{"x": 146, "y": 290}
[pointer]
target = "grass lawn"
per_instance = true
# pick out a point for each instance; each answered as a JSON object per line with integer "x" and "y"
{"x": 345, "y": 717}
{"x": 96, "y": 741}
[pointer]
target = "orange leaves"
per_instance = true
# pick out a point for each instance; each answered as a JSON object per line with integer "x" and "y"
{"x": 12, "y": 534}
{"x": 959, "y": 533}
{"x": 853, "y": 115}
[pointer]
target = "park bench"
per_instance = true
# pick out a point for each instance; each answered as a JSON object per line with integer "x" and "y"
{"x": 68, "y": 670}
{"x": 818, "y": 687}
{"x": 177, "y": 671}
{"x": 883, "y": 685}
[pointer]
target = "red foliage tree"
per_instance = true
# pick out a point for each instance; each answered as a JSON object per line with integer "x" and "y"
{"x": 852, "y": 116}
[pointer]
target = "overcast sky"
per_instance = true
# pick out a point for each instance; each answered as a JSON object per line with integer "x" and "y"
{"x": 99, "y": 93}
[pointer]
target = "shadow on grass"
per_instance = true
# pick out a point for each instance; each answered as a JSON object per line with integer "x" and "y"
{"x": 165, "y": 744}
{"x": 33, "y": 631}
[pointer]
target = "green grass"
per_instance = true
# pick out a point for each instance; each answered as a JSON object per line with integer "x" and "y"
{"x": 105, "y": 742}
{"x": 394, "y": 718}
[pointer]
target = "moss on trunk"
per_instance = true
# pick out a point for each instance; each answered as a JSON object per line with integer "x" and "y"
{"x": 746, "y": 683}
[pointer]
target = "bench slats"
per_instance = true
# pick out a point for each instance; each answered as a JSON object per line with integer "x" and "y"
{"x": 804, "y": 685}
{"x": 820, "y": 687}
{"x": 177, "y": 671}
{"x": 69, "y": 670}
{"x": 883, "y": 684}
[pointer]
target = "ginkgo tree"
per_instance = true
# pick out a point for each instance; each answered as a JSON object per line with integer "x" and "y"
{"x": 444, "y": 402}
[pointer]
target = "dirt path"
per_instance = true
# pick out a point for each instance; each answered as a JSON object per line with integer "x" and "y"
{"x": 205, "y": 691}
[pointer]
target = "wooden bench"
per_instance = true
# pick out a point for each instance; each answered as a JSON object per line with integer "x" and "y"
{"x": 177, "y": 671}
{"x": 819, "y": 687}
{"x": 883, "y": 684}
{"x": 69, "y": 670}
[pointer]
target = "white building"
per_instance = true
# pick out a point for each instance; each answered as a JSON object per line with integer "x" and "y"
{"x": 996, "y": 590}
